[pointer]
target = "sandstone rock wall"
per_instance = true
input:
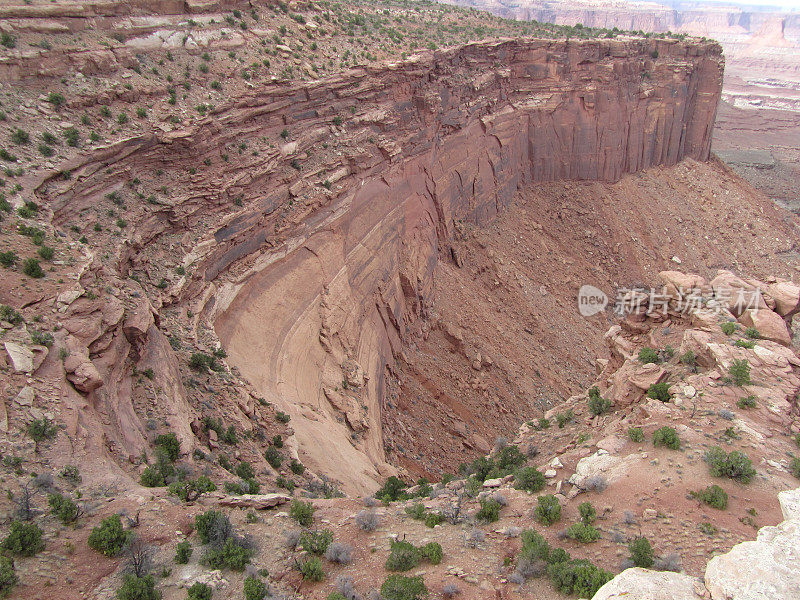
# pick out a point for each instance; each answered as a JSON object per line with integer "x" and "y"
{"x": 317, "y": 280}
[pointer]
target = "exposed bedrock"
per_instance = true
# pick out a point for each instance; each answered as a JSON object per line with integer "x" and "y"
{"x": 314, "y": 284}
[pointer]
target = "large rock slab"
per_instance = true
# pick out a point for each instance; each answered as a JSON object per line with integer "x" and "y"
{"x": 769, "y": 324}
{"x": 255, "y": 501}
{"x": 643, "y": 584}
{"x": 767, "y": 568}
{"x": 21, "y": 357}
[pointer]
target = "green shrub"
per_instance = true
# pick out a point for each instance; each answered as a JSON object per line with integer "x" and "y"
{"x": 432, "y": 552}
{"x": 391, "y": 490}
{"x": 302, "y": 512}
{"x": 311, "y": 569}
{"x": 316, "y": 542}
{"x": 138, "y": 588}
{"x": 20, "y": 137}
{"x": 169, "y": 443}
{"x": 735, "y": 465}
{"x": 587, "y": 512}
{"x": 152, "y": 477}
{"x": 46, "y": 151}
{"x": 273, "y": 457}
{"x": 190, "y": 490}
{"x": 182, "y": 552}
{"x": 563, "y": 418}
{"x": 56, "y": 99}
{"x": 254, "y": 588}
{"x": 64, "y": 508}
{"x": 416, "y": 511}
{"x": 8, "y": 40}
{"x": 529, "y": 479}
{"x": 489, "y": 511}
{"x": 752, "y": 333}
{"x": 207, "y": 523}
{"x": 748, "y": 344}
{"x": 534, "y": 547}
{"x": 46, "y": 252}
{"x": 245, "y": 470}
{"x": 282, "y": 417}
{"x": 199, "y": 591}
{"x": 399, "y": 587}
{"x": 32, "y": 268}
{"x": 729, "y": 327}
{"x": 109, "y": 538}
{"x": 794, "y": 466}
{"x": 583, "y": 533}
{"x": 635, "y": 434}
{"x": 714, "y": 496}
{"x": 510, "y": 458}
{"x": 648, "y": 356}
{"x": 597, "y": 404}
{"x": 543, "y": 423}
{"x": 8, "y": 578}
{"x": 72, "y": 136}
{"x": 689, "y": 358}
{"x": 403, "y": 556}
{"x": 739, "y": 372}
{"x": 659, "y": 391}
{"x": 8, "y": 259}
{"x": 296, "y": 467}
{"x": 668, "y": 437}
{"x": 579, "y": 577}
{"x": 746, "y": 402}
{"x": 548, "y": 510}
{"x": 432, "y": 519}
{"x": 40, "y": 430}
{"x": 232, "y": 555}
{"x": 641, "y": 552}
{"x": 24, "y": 539}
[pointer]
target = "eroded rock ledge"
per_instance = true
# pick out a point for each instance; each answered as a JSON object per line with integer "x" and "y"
{"x": 328, "y": 266}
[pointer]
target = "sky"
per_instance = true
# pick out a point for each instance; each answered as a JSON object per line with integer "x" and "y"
{"x": 786, "y": 4}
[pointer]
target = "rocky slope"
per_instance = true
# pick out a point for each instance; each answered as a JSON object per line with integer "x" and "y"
{"x": 315, "y": 276}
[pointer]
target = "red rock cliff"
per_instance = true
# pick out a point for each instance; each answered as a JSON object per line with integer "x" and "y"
{"x": 316, "y": 280}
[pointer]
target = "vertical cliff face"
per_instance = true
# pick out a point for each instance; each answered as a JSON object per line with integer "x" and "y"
{"x": 315, "y": 283}
{"x": 463, "y": 131}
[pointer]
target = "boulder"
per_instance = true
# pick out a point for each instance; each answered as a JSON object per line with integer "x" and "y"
{"x": 21, "y": 357}
{"x": 736, "y": 294}
{"x": 786, "y": 296}
{"x": 769, "y": 324}
{"x": 629, "y": 382}
{"x": 82, "y": 373}
{"x": 601, "y": 464}
{"x": 643, "y": 584}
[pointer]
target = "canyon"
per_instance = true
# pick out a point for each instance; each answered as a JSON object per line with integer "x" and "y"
{"x": 321, "y": 256}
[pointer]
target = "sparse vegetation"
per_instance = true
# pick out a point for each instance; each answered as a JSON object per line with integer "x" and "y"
{"x": 636, "y": 435}
{"x": 735, "y": 465}
{"x": 667, "y": 437}
{"x": 641, "y": 552}
{"x": 597, "y": 404}
{"x": 109, "y": 537}
{"x": 548, "y": 510}
{"x": 302, "y": 512}
{"x": 714, "y": 496}
{"x": 739, "y": 372}
{"x": 659, "y": 391}
{"x": 24, "y": 539}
